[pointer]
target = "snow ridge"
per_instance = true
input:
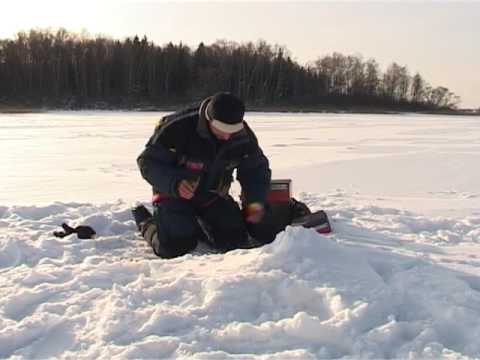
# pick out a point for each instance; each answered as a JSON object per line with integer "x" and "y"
{"x": 387, "y": 284}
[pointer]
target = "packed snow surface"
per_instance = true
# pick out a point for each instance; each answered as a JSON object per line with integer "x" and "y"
{"x": 398, "y": 278}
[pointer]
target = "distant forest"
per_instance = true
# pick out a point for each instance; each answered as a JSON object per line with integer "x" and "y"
{"x": 68, "y": 70}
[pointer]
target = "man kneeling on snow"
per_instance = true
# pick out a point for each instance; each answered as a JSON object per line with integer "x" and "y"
{"x": 189, "y": 161}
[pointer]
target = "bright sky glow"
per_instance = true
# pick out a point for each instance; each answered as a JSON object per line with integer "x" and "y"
{"x": 436, "y": 38}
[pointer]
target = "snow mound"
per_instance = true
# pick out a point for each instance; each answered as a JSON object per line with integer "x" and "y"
{"x": 385, "y": 284}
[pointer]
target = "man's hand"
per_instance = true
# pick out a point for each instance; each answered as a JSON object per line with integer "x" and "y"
{"x": 186, "y": 188}
{"x": 254, "y": 212}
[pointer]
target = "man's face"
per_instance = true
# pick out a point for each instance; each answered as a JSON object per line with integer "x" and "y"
{"x": 219, "y": 134}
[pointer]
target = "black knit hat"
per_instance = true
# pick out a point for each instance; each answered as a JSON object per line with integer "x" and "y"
{"x": 226, "y": 108}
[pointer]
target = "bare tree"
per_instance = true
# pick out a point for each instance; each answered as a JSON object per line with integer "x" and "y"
{"x": 78, "y": 69}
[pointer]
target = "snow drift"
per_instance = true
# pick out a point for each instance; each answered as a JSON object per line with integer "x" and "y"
{"x": 366, "y": 291}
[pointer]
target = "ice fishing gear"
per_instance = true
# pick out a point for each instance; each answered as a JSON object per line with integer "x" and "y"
{"x": 287, "y": 210}
{"x": 82, "y": 231}
{"x": 284, "y": 210}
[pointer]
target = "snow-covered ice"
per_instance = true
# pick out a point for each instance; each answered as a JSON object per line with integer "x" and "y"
{"x": 398, "y": 278}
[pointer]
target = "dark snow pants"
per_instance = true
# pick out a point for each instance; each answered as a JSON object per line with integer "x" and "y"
{"x": 178, "y": 229}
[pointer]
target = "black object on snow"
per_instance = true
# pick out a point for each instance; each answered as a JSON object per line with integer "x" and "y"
{"x": 82, "y": 231}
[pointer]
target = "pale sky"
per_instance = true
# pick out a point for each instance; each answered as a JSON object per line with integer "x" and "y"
{"x": 439, "y": 39}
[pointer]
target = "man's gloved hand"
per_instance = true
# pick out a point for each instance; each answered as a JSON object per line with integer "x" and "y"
{"x": 254, "y": 212}
{"x": 186, "y": 188}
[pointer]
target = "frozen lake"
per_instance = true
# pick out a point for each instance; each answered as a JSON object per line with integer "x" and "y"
{"x": 423, "y": 163}
{"x": 399, "y": 276}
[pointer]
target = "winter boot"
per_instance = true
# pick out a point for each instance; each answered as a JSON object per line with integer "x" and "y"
{"x": 142, "y": 216}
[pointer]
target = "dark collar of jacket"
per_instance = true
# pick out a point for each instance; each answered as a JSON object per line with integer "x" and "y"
{"x": 202, "y": 126}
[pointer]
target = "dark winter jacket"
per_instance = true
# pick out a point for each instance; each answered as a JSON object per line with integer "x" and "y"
{"x": 182, "y": 147}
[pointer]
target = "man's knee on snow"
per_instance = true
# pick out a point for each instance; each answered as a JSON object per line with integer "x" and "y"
{"x": 168, "y": 248}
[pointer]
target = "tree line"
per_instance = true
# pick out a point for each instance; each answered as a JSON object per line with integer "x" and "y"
{"x": 65, "y": 69}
